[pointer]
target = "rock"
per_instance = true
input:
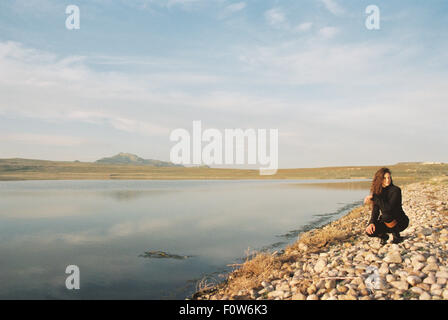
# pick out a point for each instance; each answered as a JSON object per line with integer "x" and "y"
{"x": 413, "y": 280}
{"x": 418, "y": 266}
{"x": 430, "y": 280}
{"x": 402, "y": 274}
{"x": 390, "y": 278}
{"x": 364, "y": 292}
{"x": 321, "y": 292}
{"x": 265, "y": 284}
{"x": 320, "y": 284}
{"x": 418, "y": 257}
{"x": 312, "y": 297}
{"x": 445, "y": 294}
{"x": 311, "y": 289}
{"x": 341, "y": 289}
{"x": 393, "y": 257}
{"x": 424, "y": 286}
{"x": 283, "y": 287}
{"x": 436, "y": 292}
{"x": 417, "y": 290}
{"x": 298, "y": 296}
{"x": 320, "y": 265}
{"x": 330, "y": 284}
{"x": 430, "y": 267}
{"x": 431, "y": 259}
{"x": 401, "y": 285}
{"x": 426, "y": 231}
{"x": 442, "y": 274}
{"x": 371, "y": 257}
{"x": 294, "y": 281}
{"x": 436, "y": 286}
{"x": 425, "y": 296}
{"x": 325, "y": 296}
{"x": 384, "y": 269}
{"x": 276, "y": 294}
{"x": 266, "y": 290}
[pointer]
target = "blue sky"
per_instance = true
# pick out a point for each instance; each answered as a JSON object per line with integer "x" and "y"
{"x": 338, "y": 93}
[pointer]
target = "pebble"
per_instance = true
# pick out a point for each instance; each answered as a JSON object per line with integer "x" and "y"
{"x": 413, "y": 280}
{"x": 393, "y": 257}
{"x": 384, "y": 269}
{"x": 298, "y": 296}
{"x": 425, "y": 296}
{"x": 442, "y": 274}
{"x": 445, "y": 294}
{"x": 320, "y": 265}
{"x": 401, "y": 285}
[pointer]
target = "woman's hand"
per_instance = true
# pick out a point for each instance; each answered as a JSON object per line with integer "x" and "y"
{"x": 370, "y": 229}
{"x": 368, "y": 199}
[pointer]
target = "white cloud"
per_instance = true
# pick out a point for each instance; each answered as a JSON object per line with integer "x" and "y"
{"x": 43, "y": 86}
{"x": 275, "y": 16}
{"x": 328, "y": 32}
{"x": 147, "y": 4}
{"x": 234, "y": 7}
{"x": 42, "y": 139}
{"x": 333, "y": 7}
{"x": 303, "y": 27}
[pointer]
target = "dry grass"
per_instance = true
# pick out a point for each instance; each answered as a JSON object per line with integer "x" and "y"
{"x": 340, "y": 230}
{"x": 257, "y": 267}
{"x": 260, "y": 266}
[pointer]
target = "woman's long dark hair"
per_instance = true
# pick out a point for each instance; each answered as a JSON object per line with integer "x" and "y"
{"x": 377, "y": 183}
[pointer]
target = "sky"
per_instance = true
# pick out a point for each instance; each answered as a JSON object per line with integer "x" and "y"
{"x": 338, "y": 93}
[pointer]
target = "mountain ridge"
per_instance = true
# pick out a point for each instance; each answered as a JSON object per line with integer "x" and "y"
{"x": 129, "y": 158}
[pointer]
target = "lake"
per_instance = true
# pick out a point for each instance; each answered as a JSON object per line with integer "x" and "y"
{"x": 150, "y": 239}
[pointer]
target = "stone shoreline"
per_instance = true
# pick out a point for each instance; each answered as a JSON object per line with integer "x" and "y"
{"x": 339, "y": 262}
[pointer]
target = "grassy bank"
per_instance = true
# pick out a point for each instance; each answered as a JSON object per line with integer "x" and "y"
{"x": 25, "y": 169}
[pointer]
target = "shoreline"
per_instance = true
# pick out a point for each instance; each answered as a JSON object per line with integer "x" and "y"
{"x": 335, "y": 261}
{"x": 25, "y": 169}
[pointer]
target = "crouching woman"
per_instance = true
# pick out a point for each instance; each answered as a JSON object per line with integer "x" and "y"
{"x": 385, "y": 198}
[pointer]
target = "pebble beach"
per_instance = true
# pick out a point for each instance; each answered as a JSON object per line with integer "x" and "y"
{"x": 339, "y": 262}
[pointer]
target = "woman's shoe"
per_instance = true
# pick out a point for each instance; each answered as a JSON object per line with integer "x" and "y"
{"x": 384, "y": 239}
{"x": 397, "y": 239}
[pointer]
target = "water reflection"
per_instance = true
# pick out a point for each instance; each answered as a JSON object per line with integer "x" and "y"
{"x": 128, "y": 195}
{"x": 47, "y": 225}
{"x": 163, "y": 255}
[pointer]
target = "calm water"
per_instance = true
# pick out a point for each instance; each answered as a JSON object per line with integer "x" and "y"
{"x": 105, "y": 227}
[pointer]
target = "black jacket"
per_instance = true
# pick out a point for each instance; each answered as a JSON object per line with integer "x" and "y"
{"x": 389, "y": 202}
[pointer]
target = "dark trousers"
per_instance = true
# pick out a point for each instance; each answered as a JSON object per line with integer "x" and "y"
{"x": 381, "y": 229}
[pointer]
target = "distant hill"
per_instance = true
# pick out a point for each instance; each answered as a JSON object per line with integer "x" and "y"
{"x": 129, "y": 158}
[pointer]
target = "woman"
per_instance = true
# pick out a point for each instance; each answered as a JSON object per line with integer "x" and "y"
{"x": 385, "y": 197}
